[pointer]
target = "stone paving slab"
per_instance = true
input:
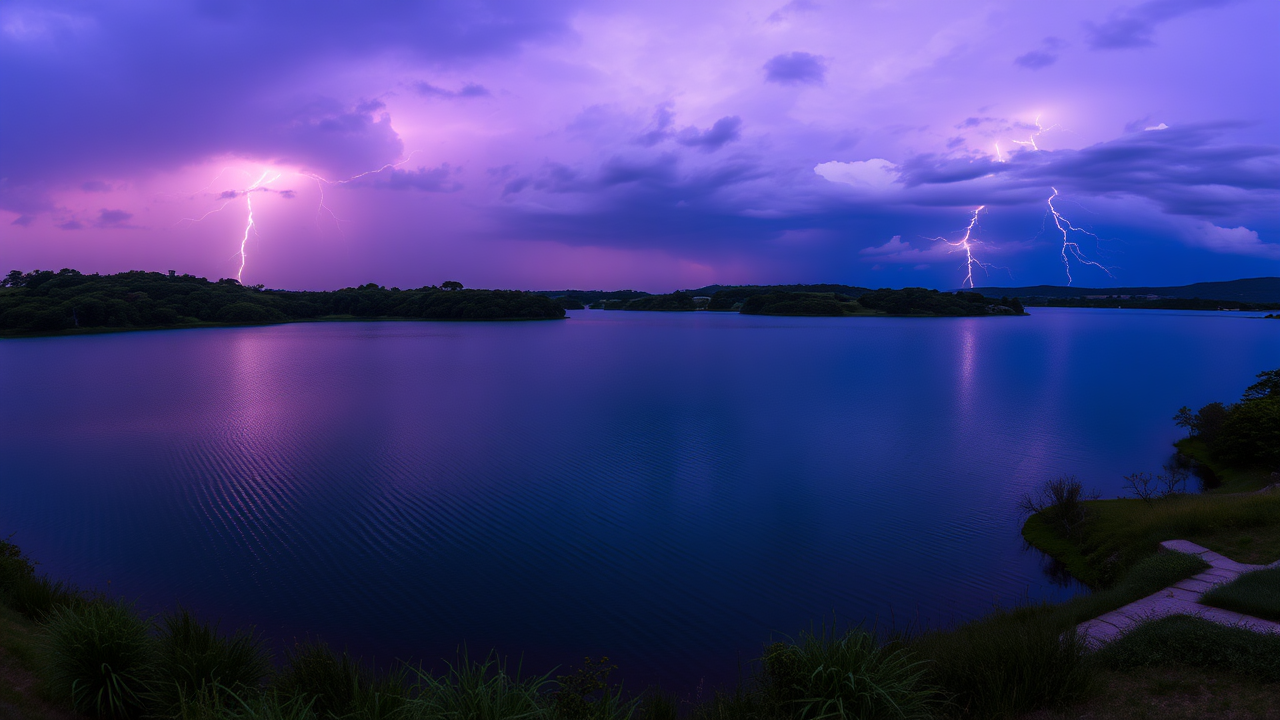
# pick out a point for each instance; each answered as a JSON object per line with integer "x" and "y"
{"x": 1195, "y": 584}
{"x": 1181, "y": 598}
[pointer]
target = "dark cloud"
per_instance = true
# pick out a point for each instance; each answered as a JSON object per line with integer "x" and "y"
{"x": 1134, "y": 26}
{"x": 796, "y": 68}
{"x": 1035, "y": 60}
{"x": 173, "y": 84}
{"x": 71, "y": 225}
{"x": 113, "y": 219}
{"x": 659, "y": 130}
{"x": 725, "y": 130}
{"x": 470, "y": 90}
{"x": 23, "y": 220}
{"x": 95, "y": 186}
{"x": 655, "y": 171}
{"x": 437, "y": 179}
{"x": 1189, "y": 170}
{"x": 972, "y": 122}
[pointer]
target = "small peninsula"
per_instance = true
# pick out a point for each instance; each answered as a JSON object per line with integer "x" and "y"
{"x": 67, "y": 301}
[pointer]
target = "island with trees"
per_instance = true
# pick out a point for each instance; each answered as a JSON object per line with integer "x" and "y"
{"x": 67, "y": 301}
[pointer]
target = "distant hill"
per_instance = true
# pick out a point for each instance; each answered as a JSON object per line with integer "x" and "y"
{"x": 1249, "y": 290}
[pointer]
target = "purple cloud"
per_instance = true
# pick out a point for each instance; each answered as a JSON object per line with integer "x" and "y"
{"x": 470, "y": 90}
{"x": 1035, "y": 60}
{"x": 1133, "y": 27}
{"x": 725, "y": 130}
{"x": 112, "y": 219}
{"x": 796, "y": 68}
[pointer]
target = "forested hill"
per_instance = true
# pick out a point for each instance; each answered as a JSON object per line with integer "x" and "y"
{"x": 46, "y": 302}
{"x": 1248, "y": 290}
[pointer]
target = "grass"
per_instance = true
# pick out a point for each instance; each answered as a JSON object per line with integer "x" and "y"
{"x": 1183, "y": 641}
{"x": 1118, "y": 533}
{"x": 1008, "y": 663}
{"x": 336, "y": 684}
{"x": 480, "y": 690}
{"x": 1172, "y": 693}
{"x": 1255, "y": 593}
{"x": 193, "y": 660}
{"x": 845, "y": 676}
{"x": 1019, "y": 660}
{"x": 101, "y": 658}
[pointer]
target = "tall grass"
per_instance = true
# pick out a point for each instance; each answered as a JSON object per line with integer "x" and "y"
{"x": 195, "y": 664}
{"x": 102, "y": 656}
{"x": 846, "y": 676}
{"x": 479, "y": 690}
{"x": 23, "y": 590}
{"x": 336, "y": 685}
{"x": 1008, "y": 663}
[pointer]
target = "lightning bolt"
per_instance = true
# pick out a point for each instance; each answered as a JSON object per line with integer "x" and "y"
{"x": 260, "y": 185}
{"x": 1031, "y": 140}
{"x": 966, "y": 243}
{"x": 322, "y": 181}
{"x": 1069, "y": 248}
{"x": 248, "y": 201}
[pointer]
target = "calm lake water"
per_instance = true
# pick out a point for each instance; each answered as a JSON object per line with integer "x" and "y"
{"x": 665, "y": 489}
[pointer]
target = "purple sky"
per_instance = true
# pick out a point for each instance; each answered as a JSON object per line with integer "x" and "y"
{"x": 654, "y": 145}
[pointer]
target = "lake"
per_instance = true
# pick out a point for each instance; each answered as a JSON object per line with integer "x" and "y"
{"x": 670, "y": 490}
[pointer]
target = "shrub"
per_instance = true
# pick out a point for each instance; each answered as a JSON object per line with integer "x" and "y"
{"x": 586, "y": 693}
{"x": 101, "y": 657}
{"x": 825, "y": 675}
{"x": 336, "y": 685}
{"x": 1060, "y": 502}
{"x": 195, "y": 661}
{"x": 1011, "y": 662}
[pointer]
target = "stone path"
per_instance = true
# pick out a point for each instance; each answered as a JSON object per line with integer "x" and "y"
{"x": 1179, "y": 599}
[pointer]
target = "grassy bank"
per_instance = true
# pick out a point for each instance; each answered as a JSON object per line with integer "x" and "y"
{"x": 1118, "y": 533}
{"x": 1236, "y": 448}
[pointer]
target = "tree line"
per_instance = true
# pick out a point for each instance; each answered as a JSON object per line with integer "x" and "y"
{"x": 44, "y": 301}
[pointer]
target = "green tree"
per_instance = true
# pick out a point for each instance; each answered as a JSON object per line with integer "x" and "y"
{"x": 1268, "y": 385}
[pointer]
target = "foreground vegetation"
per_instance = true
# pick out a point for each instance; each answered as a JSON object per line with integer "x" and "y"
{"x": 68, "y": 301}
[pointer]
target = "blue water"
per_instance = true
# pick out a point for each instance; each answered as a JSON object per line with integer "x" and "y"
{"x": 665, "y": 489}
